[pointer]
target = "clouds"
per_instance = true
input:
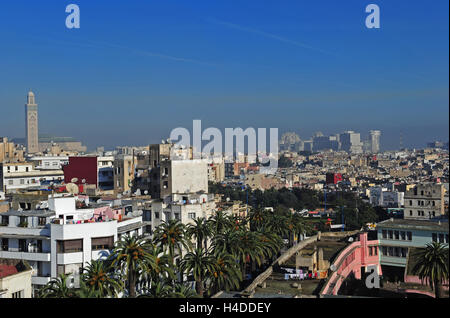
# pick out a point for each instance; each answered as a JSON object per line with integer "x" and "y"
{"x": 267, "y": 35}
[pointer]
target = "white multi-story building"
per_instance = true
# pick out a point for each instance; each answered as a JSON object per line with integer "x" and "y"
{"x": 49, "y": 162}
{"x": 61, "y": 239}
{"x": 15, "y": 176}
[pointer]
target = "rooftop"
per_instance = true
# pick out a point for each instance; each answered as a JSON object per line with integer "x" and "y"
{"x": 438, "y": 225}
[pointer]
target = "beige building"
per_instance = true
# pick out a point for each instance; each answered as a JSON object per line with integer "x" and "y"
{"x": 9, "y": 152}
{"x": 15, "y": 279}
{"x": 424, "y": 201}
{"x": 124, "y": 173}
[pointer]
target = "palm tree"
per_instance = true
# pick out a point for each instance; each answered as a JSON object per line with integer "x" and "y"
{"x": 57, "y": 288}
{"x": 157, "y": 290}
{"x": 172, "y": 236}
{"x": 198, "y": 263}
{"x": 182, "y": 291}
{"x": 226, "y": 273}
{"x": 432, "y": 266}
{"x": 98, "y": 277}
{"x": 219, "y": 222}
{"x": 201, "y": 230}
{"x": 131, "y": 256}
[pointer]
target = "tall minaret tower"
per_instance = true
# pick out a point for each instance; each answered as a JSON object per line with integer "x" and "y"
{"x": 31, "y": 124}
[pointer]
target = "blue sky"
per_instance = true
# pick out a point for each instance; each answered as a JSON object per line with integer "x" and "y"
{"x": 137, "y": 69}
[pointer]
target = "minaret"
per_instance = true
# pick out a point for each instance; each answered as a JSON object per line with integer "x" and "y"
{"x": 31, "y": 124}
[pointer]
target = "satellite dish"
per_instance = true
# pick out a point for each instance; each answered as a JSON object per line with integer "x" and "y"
{"x": 145, "y": 192}
{"x": 119, "y": 196}
{"x": 83, "y": 181}
{"x": 72, "y": 188}
{"x": 74, "y": 180}
{"x": 228, "y": 199}
{"x": 333, "y": 267}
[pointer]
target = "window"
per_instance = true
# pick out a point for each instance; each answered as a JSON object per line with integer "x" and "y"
{"x": 403, "y": 235}
{"x": 5, "y": 245}
{"x": 191, "y": 216}
{"x": 391, "y": 234}
{"x": 375, "y": 248}
{"x": 22, "y": 245}
{"x": 22, "y": 181}
{"x": 102, "y": 243}
{"x": 42, "y": 221}
{"x": 397, "y": 235}
{"x": 70, "y": 246}
{"x": 10, "y": 182}
{"x": 409, "y": 234}
{"x": 441, "y": 238}
{"x": 384, "y": 234}
{"x": 5, "y": 220}
{"x": 410, "y": 202}
{"x": 19, "y": 294}
{"x": 434, "y": 237}
{"x": 410, "y": 212}
{"x": 404, "y": 252}
{"x": 370, "y": 251}
{"x": 384, "y": 250}
{"x": 156, "y": 215}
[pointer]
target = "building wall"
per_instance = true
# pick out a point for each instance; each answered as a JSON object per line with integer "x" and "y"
{"x": 81, "y": 168}
{"x": 424, "y": 201}
{"x": 20, "y": 282}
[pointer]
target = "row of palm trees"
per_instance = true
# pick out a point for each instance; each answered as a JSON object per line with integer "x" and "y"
{"x": 215, "y": 253}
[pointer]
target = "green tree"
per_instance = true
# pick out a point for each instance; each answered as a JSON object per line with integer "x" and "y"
{"x": 198, "y": 263}
{"x": 172, "y": 237}
{"x": 132, "y": 258}
{"x": 98, "y": 277}
{"x": 200, "y": 230}
{"x": 57, "y": 288}
{"x": 432, "y": 266}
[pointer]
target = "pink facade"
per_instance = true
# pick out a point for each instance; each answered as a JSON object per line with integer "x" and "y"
{"x": 362, "y": 253}
{"x": 106, "y": 211}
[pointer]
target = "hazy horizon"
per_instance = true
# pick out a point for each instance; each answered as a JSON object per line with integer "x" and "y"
{"x": 136, "y": 70}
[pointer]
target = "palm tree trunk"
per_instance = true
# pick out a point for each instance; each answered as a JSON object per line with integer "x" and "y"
{"x": 437, "y": 288}
{"x": 199, "y": 286}
{"x": 132, "y": 282}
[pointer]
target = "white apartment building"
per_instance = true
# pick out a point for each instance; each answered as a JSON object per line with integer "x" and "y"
{"x": 60, "y": 239}
{"x": 15, "y": 176}
{"x": 49, "y": 162}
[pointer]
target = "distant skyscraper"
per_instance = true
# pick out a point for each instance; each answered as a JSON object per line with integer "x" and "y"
{"x": 375, "y": 140}
{"x": 31, "y": 124}
{"x": 351, "y": 142}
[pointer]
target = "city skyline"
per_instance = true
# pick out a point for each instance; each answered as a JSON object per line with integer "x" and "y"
{"x": 298, "y": 68}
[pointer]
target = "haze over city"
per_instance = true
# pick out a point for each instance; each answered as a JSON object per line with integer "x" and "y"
{"x": 136, "y": 70}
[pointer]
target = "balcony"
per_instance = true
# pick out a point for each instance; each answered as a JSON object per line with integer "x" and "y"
{"x": 41, "y": 257}
{"x": 40, "y": 280}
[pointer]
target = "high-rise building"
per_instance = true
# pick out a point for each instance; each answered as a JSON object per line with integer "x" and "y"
{"x": 351, "y": 142}
{"x": 31, "y": 124}
{"x": 375, "y": 141}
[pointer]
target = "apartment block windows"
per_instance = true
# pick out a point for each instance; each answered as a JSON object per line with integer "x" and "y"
{"x": 102, "y": 243}
{"x": 409, "y": 235}
{"x": 69, "y": 246}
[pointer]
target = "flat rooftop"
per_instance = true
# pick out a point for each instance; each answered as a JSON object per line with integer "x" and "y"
{"x": 427, "y": 225}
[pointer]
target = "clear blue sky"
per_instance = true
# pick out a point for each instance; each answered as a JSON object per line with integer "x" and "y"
{"x": 137, "y": 69}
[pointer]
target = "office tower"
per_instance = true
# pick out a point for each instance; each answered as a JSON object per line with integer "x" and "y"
{"x": 375, "y": 141}
{"x": 31, "y": 124}
{"x": 351, "y": 142}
